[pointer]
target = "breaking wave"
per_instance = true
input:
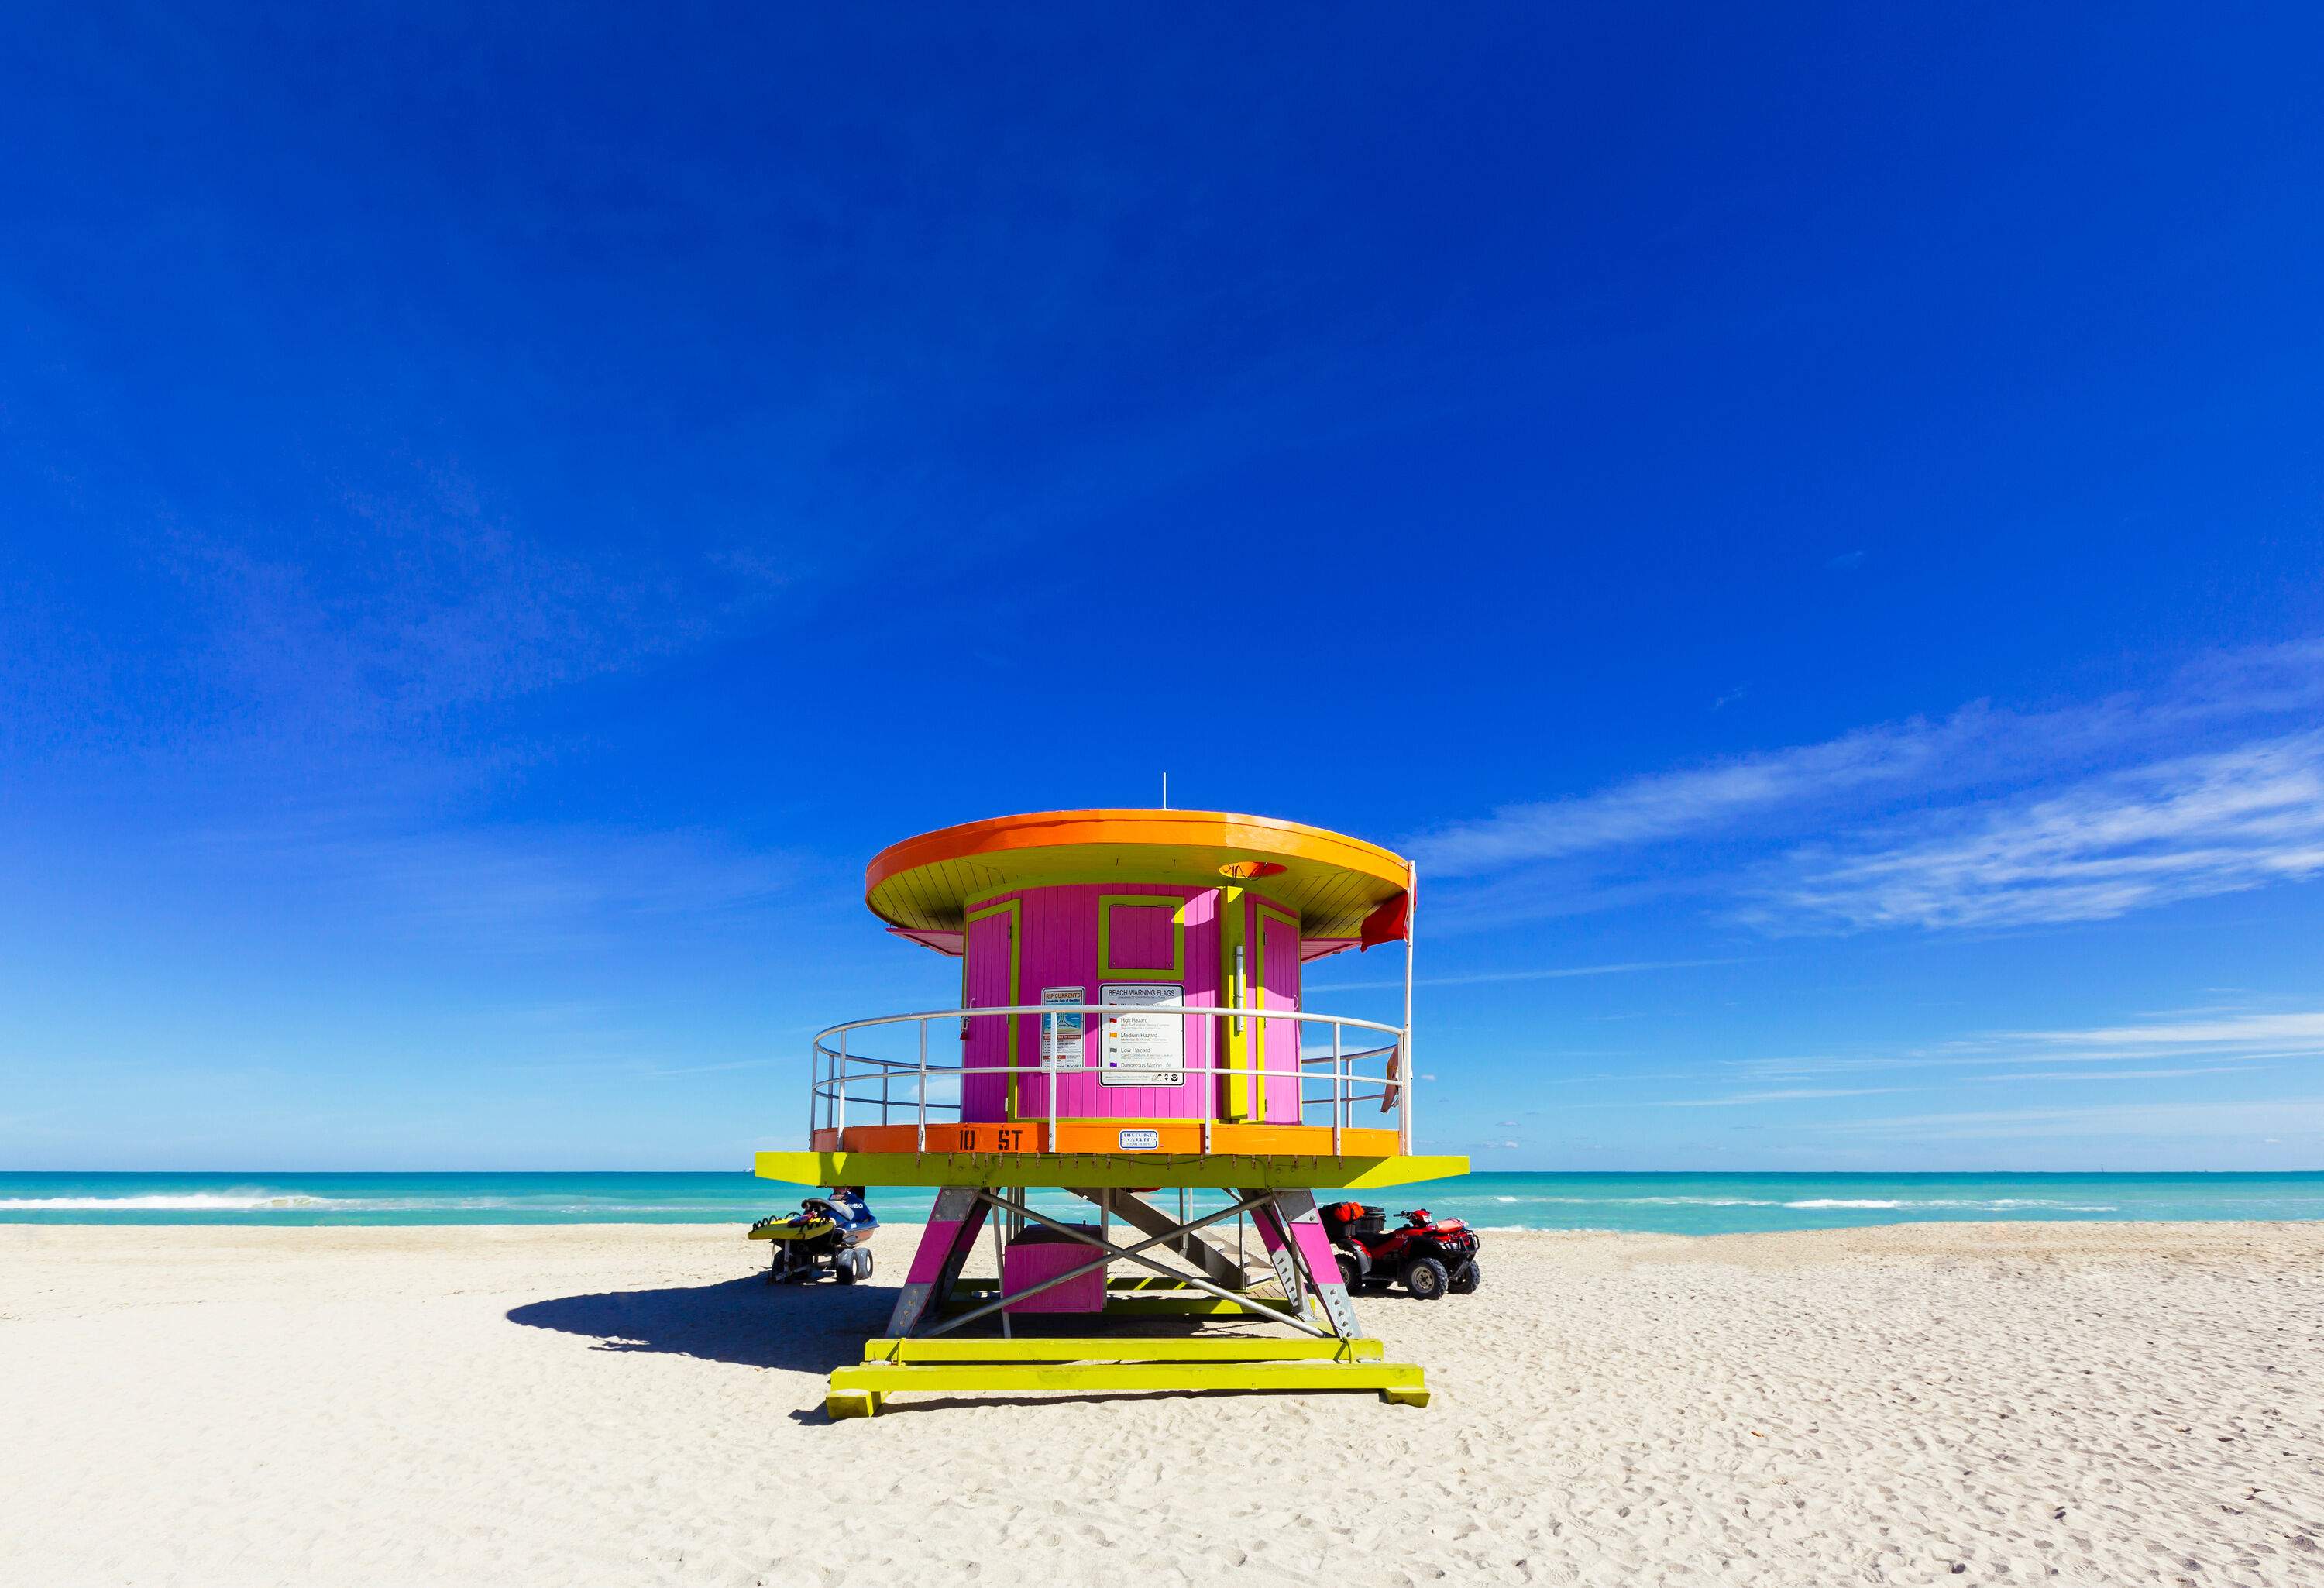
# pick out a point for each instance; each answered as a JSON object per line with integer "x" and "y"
{"x": 191, "y": 1201}
{"x": 300, "y": 1202}
{"x": 1983, "y": 1203}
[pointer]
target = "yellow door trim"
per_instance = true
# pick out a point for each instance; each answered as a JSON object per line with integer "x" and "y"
{"x": 1267, "y": 912}
{"x": 1014, "y": 909}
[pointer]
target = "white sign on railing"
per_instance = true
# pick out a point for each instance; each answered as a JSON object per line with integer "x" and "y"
{"x": 1061, "y": 1038}
{"x": 1144, "y": 1050}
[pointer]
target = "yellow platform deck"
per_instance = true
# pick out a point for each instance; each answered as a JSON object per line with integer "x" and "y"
{"x": 1096, "y": 1170}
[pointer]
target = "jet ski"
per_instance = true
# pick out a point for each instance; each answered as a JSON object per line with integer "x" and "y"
{"x": 825, "y": 1238}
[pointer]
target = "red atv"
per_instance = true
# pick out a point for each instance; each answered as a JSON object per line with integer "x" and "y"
{"x": 1430, "y": 1255}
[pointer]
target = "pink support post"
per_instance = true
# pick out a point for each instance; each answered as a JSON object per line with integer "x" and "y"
{"x": 951, "y": 1230}
{"x": 1297, "y": 1245}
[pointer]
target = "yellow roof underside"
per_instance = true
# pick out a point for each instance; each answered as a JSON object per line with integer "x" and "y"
{"x": 1332, "y": 880}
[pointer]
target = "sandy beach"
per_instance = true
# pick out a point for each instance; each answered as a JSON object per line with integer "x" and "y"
{"x": 610, "y": 1404}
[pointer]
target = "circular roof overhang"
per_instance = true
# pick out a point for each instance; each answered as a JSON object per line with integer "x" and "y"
{"x": 1334, "y": 881}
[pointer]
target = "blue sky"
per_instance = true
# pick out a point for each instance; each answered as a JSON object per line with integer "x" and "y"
{"x": 1807, "y": 526}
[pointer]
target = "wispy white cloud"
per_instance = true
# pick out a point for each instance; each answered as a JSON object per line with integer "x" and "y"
{"x": 515, "y": 890}
{"x": 2214, "y": 1045}
{"x": 1670, "y": 805}
{"x": 2237, "y": 1030}
{"x": 2116, "y": 1075}
{"x": 659, "y": 1072}
{"x": 2278, "y": 1119}
{"x": 2015, "y": 818}
{"x": 1780, "y": 1094}
{"x": 431, "y": 604}
{"x": 2179, "y": 829}
{"x": 1544, "y": 973}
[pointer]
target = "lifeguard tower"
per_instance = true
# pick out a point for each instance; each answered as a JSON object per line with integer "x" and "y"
{"x": 1130, "y": 1024}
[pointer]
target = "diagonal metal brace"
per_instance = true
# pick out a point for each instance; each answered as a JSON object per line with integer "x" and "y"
{"x": 1140, "y": 1214}
{"x": 1130, "y": 1253}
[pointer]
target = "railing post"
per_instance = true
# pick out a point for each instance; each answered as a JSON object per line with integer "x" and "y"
{"x": 1404, "y": 1038}
{"x": 1339, "y": 1089}
{"x": 1403, "y": 1093}
{"x": 839, "y": 1121}
{"x": 923, "y": 1145}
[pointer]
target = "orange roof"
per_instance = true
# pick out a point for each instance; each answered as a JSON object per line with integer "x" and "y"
{"x": 1333, "y": 881}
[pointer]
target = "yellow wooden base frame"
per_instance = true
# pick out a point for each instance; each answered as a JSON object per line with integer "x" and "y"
{"x": 1005, "y": 1367}
{"x": 1125, "y": 1171}
{"x": 1104, "y": 1136}
{"x": 1122, "y": 1348}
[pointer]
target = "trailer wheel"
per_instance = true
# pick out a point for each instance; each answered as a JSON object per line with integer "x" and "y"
{"x": 1425, "y": 1277}
{"x": 842, "y": 1267}
{"x": 1464, "y": 1278}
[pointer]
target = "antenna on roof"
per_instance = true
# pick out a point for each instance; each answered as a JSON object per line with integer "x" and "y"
{"x": 1165, "y": 790}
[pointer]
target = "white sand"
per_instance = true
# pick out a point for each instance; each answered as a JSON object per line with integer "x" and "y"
{"x": 2087, "y": 1404}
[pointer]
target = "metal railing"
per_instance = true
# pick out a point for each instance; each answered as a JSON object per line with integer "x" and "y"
{"x": 836, "y": 1072}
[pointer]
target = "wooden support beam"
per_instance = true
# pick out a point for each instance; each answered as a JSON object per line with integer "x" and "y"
{"x": 1122, "y": 1348}
{"x": 858, "y": 1392}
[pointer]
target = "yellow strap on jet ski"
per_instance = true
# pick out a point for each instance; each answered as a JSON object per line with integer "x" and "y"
{"x": 786, "y": 1230}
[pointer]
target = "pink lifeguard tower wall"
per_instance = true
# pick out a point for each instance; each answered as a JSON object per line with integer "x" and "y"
{"x": 1057, "y": 930}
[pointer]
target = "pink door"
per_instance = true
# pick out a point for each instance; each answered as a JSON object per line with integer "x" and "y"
{"x": 1279, "y": 988}
{"x": 990, "y": 1043}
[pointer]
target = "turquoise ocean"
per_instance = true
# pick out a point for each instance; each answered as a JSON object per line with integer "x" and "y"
{"x": 1677, "y": 1204}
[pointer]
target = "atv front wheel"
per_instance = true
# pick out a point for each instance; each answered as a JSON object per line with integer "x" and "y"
{"x": 1464, "y": 1278}
{"x": 1425, "y": 1277}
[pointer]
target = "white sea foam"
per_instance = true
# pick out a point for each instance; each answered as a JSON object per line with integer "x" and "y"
{"x": 1983, "y": 1203}
{"x": 261, "y": 1200}
{"x": 1552, "y": 1229}
{"x": 299, "y": 1201}
{"x": 1648, "y": 1201}
{"x": 189, "y": 1202}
